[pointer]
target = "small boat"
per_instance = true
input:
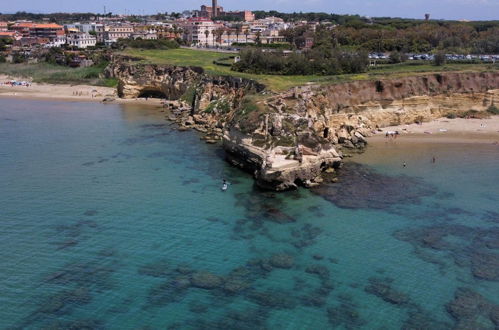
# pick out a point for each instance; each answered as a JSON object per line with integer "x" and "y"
{"x": 224, "y": 187}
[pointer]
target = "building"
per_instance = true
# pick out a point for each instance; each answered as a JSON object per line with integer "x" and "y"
{"x": 199, "y": 31}
{"x": 145, "y": 35}
{"x": 207, "y": 11}
{"x": 218, "y": 11}
{"x": 35, "y": 30}
{"x": 81, "y": 40}
{"x": 168, "y": 31}
{"x": 115, "y": 32}
{"x": 12, "y": 35}
{"x": 82, "y": 27}
{"x": 4, "y": 27}
{"x": 244, "y": 15}
{"x": 59, "y": 41}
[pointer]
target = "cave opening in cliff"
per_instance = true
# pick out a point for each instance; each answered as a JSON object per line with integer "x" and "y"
{"x": 152, "y": 93}
{"x": 326, "y": 132}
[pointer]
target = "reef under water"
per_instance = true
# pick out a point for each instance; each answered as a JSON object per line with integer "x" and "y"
{"x": 115, "y": 220}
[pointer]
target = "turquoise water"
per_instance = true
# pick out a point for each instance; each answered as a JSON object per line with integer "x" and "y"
{"x": 112, "y": 219}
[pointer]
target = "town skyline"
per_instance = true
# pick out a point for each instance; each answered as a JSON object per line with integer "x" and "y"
{"x": 447, "y": 9}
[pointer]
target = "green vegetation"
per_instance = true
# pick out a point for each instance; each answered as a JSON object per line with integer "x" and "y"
{"x": 282, "y": 46}
{"x": 145, "y": 44}
{"x": 414, "y": 37}
{"x": 206, "y": 59}
{"x": 320, "y": 61}
{"x": 472, "y": 113}
{"x": 189, "y": 95}
{"x": 218, "y": 106}
{"x": 440, "y": 59}
{"x": 56, "y": 74}
{"x": 493, "y": 110}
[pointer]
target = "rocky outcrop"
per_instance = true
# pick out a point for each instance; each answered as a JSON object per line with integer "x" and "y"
{"x": 289, "y": 139}
{"x": 166, "y": 81}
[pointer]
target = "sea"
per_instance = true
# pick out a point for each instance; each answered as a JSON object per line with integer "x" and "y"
{"x": 110, "y": 218}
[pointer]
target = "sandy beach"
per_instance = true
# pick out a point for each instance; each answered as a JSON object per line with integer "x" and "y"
{"x": 457, "y": 130}
{"x": 81, "y": 93}
{"x": 441, "y": 130}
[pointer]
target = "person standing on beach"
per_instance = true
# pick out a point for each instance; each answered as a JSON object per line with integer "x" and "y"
{"x": 404, "y": 164}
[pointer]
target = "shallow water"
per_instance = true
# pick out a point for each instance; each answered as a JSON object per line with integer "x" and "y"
{"x": 112, "y": 219}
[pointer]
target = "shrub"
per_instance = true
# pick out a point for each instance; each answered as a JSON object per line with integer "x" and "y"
{"x": 493, "y": 110}
{"x": 472, "y": 113}
{"x": 439, "y": 59}
{"x": 397, "y": 57}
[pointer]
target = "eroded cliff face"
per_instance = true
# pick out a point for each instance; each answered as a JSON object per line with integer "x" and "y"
{"x": 138, "y": 80}
{"x": 291, "y": 138}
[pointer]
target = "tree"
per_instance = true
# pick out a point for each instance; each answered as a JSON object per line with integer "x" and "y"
{"x": 258, "y": 41}
{"x": 219, "y": 33}
{"x": 397, "y": 57}
{"x": 246, "y": 33}
{"x": 238, "y": 31}
{"x": 440, "y": 59}
{"x": 207, "y": 33}
{"x": 229, "y": 33}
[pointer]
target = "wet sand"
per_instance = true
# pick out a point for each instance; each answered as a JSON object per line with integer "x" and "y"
{"x": 444, "y": 130}
{"x": 63, "y": 92}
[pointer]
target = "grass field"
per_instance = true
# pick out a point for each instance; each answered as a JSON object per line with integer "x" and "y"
{"x": 204, "y": 59}
{"x": 57, "y": 74}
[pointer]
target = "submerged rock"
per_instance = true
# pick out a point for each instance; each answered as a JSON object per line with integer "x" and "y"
{"x": 206, "y": 280}
{"x": 319, "y": 270}
{"x": 344, "y": 315}
{"x": 472, "y": 311}
{"x": 382, "y": 288}
{"x": 273, "y": 299}
{"x": 282, "y": 261}
{"x": 361, "y": 187}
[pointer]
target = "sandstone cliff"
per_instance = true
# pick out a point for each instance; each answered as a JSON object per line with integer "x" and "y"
{"x": 298, "y": 134}
{"x": 289, "y": 139}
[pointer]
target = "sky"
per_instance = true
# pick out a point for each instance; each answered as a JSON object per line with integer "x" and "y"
{"x": 441, "y": 9}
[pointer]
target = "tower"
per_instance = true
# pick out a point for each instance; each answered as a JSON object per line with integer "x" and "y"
{"x": 214, "y": 9}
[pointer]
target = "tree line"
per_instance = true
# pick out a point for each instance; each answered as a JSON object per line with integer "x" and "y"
{"x": 317, "y": 61}
{"x": 461, "y": 38}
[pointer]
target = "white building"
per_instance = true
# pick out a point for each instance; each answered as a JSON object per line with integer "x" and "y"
{"x": 199, "y": 31}
{"x": 58, "y": 41}
{"x": 81, "y": 40}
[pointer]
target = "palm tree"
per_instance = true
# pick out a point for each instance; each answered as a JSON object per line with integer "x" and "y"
{"x": 238, "y": 31}
{"x": 206, "y": 33}
{"x": 219, "y": 33}
{"x": 246, "y": 33}
{"x": 257, "y": 39}
{"x": 229, "y": 33}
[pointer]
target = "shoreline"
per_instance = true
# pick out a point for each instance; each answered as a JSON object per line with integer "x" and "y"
{"x": 443, "y": 130}
{"x": 65, "y": 92}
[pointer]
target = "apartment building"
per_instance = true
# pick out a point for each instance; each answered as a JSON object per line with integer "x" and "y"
{"x": 81, "y": 40}
{"x": 119, "y": 32}
{"x": 198, "y": 31}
